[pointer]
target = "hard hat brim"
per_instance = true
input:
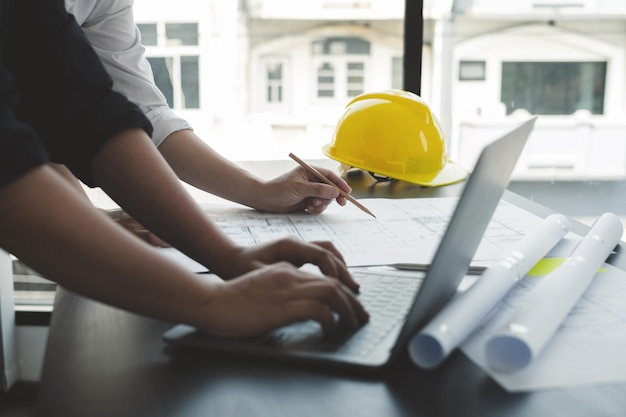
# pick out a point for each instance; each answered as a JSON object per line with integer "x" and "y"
{"x": 451, "y": 172}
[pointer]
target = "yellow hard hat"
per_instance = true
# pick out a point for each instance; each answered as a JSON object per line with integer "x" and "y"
{"x": 393, "y": 133}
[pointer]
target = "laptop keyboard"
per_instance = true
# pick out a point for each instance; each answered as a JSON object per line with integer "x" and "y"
{"x": 387, "y": 298}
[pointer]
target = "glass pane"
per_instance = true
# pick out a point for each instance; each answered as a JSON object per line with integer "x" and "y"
{"x": 148, "y": 33}
{"x": 181, "y": 33}
{"x": 325, "y": 93}
{"x": 397, "y": 78}
{"x": 355, "y": 46}
{"x": 274, "y": 71}
{"x": 337, "y": 48}
{"x": 554, "y": 88}
{"x": 326, "y": 81}
{"x": 341, "y": 46}
{"x": 162, "y": 76}
{"x": 356, "y": 79}
{"x": 472, "y": 70}
{"x": 190, "y": 82}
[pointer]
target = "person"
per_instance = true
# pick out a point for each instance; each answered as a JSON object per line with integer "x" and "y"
{"x": 57, "y": 104}
{"x": 111, "y": 29}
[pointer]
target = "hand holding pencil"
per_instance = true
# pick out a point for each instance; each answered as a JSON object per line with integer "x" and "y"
{"x": 322, "y": 178}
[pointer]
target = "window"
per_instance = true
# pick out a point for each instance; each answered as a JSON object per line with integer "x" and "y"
{"x": 356, "y": 78}
{"x": 472, "y": 71}
{"x": 326, "y": 80}
{"x": 162, "y": 69}
{"x": 274, "y": 82}
{"x": 181, "y": 34}
{"x": 341, "y": 68}
{"x": 172, "y": 50}
{"x": 149, "y": 35}
{"x": 274, "y": 88}
{"x": 189, "y": 82}
{"x": 554, "y": 88}
{"x": 397, "y": 72}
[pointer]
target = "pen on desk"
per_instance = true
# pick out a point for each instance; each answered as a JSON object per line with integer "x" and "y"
{"x": 329, "y": 182}
{"x": 471, "y": 270}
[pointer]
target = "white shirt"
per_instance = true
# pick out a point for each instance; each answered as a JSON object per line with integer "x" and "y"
{"x": 111, "y": 29}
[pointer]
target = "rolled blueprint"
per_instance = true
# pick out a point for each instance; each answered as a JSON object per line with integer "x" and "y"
{"x": 467, "y": 310}
{"x": 547, "y": 304}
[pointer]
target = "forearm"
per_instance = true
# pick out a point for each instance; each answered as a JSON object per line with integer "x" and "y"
{"x": 199, "y": 165}
{"x": 132, "y": 172}
{"x": 294, "y": 191}
{"x": 70, "y": 178}
{"x": 77, "y": 246}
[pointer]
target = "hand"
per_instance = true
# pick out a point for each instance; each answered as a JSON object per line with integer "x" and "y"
{"x": 276, "y": 295}
{"x": 297, "y": 190}
{"x": 133, "y": 226}
{"x": 297, "y": 253}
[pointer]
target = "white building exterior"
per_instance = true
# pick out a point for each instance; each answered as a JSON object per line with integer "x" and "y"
{"x": 572, "y": 143}
{"x": 274, "y": 75}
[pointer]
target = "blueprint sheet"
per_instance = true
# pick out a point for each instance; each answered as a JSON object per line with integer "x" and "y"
{"x": 404, "y": 230}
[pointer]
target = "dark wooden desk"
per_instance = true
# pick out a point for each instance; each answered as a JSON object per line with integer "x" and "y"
{"x": 101, "y": 361}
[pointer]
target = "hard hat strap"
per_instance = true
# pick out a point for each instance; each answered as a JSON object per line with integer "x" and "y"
{"x": 379, "y": 178}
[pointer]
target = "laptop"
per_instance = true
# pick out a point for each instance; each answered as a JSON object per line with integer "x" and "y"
{"x": 9, "y": 369}
{"x": 399, "y": 303}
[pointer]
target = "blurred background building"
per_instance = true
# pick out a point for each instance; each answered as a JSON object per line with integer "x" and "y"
{"x": 261, "y": 78}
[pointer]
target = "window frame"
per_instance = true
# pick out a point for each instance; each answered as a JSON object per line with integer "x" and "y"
{"x": 338, "y": 68}
{"x": 176, "y": 53}
{"x": 266, "y": 84}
